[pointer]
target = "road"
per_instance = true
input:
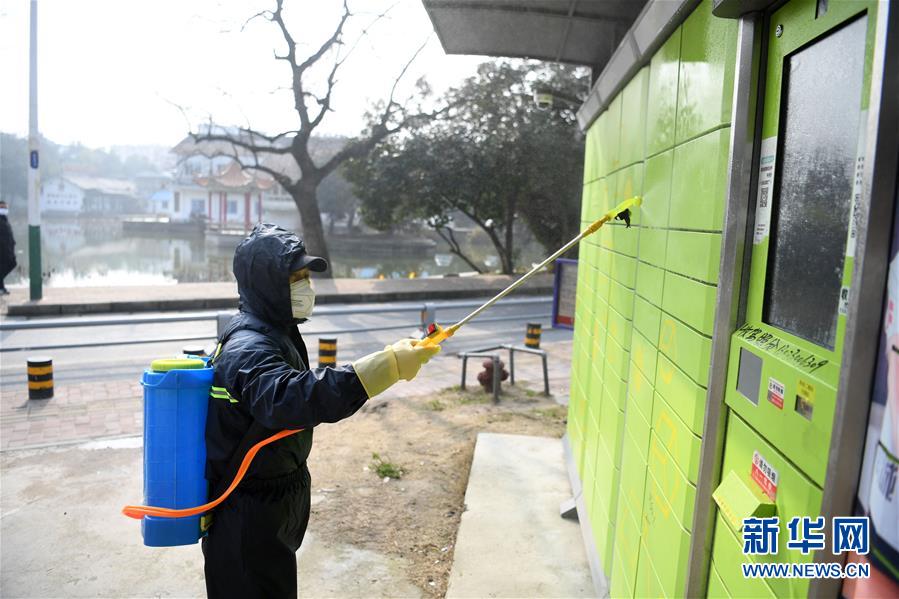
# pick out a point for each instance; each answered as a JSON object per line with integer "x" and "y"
{"x": 127, "y": 360}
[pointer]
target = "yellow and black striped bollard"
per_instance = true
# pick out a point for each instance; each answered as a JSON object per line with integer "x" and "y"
{"x": 40, "y": 377}
{"x": 532, "y": 337}
{"x": 327, "y": 352}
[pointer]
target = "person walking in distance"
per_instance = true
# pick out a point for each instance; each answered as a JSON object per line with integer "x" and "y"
{"x": 7, "y": 247}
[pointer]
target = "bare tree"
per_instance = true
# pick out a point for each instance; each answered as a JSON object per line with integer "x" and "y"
{"x": 254, "y": 150}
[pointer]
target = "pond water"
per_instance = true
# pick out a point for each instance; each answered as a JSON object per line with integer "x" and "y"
{"x": 82, "y": 252}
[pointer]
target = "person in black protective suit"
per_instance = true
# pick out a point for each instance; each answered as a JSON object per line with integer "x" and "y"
{"x": 263, "y": 383}
{"x": 7, "y": 247}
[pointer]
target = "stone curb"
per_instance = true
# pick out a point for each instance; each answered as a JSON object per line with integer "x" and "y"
{"x": 45, "y": 308}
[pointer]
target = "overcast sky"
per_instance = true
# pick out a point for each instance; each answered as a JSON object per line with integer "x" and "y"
{"x": 115, "y": 71}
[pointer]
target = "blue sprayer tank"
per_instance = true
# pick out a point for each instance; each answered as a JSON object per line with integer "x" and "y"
{"x": 176, "y": 394}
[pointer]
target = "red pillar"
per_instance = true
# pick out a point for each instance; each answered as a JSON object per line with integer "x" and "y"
{"x": 259, "y": 208}
{"x": 246, "y": 211}
{"x": 223, "y": 204}
{"x": 209, "y": 208}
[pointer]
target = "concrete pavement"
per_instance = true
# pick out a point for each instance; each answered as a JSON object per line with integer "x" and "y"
{"x": 62, "y": 531}
{"x": 64, "y": 536}
{"x": 512, "y": 541}
{"x": 222, "y": 296}
{"x": 113, "y": 408}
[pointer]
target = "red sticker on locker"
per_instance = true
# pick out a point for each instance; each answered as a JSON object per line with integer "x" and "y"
{"x": 776, "y": 393}
{"x": 764, "y": 475}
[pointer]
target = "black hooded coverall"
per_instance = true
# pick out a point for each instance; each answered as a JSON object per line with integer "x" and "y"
{"x": 7, "y": 250}
{"x": 250, "y": 550}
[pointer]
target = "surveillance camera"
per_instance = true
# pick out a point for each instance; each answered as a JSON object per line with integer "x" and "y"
{"x": 543, "y": 100}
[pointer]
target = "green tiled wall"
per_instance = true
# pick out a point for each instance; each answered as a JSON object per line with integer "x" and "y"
{"x": 645, "y": 304}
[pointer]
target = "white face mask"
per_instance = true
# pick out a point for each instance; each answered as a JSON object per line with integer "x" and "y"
{"x": 4, "y": 211}
{"x": 302, "y": 298}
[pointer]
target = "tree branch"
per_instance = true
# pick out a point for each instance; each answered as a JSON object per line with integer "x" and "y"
{"x": 454, "y": 246}
{"x": 325, "y": 102}
{"x": 283, "y": 180}
{"x": 199, "y": 138}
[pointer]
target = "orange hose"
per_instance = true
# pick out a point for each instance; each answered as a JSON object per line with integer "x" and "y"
{"x": 139, "y": 511}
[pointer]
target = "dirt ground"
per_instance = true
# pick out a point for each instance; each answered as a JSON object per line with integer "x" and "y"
{"x": 430, "y": 439}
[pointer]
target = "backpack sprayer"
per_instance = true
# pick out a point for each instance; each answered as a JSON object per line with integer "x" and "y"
{"x": 183, "y": 391}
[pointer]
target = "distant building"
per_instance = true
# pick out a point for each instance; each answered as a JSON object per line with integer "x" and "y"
{"x": 59, "y": 196}
{"x": 87, "y": 195}
{"x": 233, "y": 197}
{"x": 149, "y": 182}
{"x": 210, "y": 181}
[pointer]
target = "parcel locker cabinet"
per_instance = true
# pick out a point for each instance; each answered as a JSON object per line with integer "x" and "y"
{"x": 784, "y": 360}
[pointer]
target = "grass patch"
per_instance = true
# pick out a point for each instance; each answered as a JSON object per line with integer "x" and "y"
{"x": 384, "y": 468}
{"x": 436, "y": 405}
{"x": 555, "y": 413}
{"x": 478, "y": 396}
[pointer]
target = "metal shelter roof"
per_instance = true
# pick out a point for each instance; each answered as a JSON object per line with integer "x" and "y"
{"x": 584, "y": 32}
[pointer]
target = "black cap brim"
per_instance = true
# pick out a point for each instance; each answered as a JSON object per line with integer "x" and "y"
{"x": 313, "y": 263}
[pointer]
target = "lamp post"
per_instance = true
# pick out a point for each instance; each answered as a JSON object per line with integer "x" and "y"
{"x": 34, "y": 174}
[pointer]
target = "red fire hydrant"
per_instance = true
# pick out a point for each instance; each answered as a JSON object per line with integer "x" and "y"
{"x": 485, "y": 377}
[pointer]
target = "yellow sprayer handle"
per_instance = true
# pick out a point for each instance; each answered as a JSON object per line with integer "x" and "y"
{"x": 437, "y": 335}
{"x": 626, "y": 204}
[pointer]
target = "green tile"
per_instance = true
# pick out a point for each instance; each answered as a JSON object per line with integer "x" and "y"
{"x": 627, "y": 551}
{"x": 690, "y": 301}
{"x": 680, "y": 493}
{"x": 591, "y": 201}
{"x": 650, "y": 282}
{"x": 607, "y": 191}
{"x": 601, "y": 312}
{"x": 699, "y": 182}
{"x": 667, "y": 542}
{"x": 604, "y": 262}
{"x": 657, "y": 190}
{"x": 620, "y": 238}
{"x": 617, "y": 358}
{"x": 637, "y": 427}
{"x": 661, "y": 105}
{"x": 594, "y": 404}
{"x": 686, "y": 348}
{"x": 678, "y": 439}
{"x": 644, "y": 355}
{"x": 601, "y": 291}
{"x": 630, "y": 184}
{"x": 640, "y": 391}
{"x": 591, "y": 153}
{"x": 616, "y": 388}
{"x": 646, "y": 318}
{"x": 624, "y": 270}
{"x": 611, "y": 432}
{"x": 694, "y": 254}
{"x": 647, "y": 583}
{"x": 607, "y": 494}
{"x": 633, "y": 473}
{"x": 619, "y": 328}
{"x": 653, "y": 245}
{"x": 588, "y": 478}
{"x": 706, "y": 82}
{"x": 621, "y": 299}
{"x": 685, "y": 397}
{"x": 633, "y": 117}
{"x": 609, "y": 132}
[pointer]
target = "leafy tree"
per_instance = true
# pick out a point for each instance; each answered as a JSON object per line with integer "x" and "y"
{"x": 495, "y": 157}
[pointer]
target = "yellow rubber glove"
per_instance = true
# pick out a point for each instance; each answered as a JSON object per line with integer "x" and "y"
{"x": 402, "y": 360}
{"x": 410, "y": 357}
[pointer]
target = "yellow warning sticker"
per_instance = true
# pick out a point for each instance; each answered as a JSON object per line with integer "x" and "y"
{"x": 805, "y": 399}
